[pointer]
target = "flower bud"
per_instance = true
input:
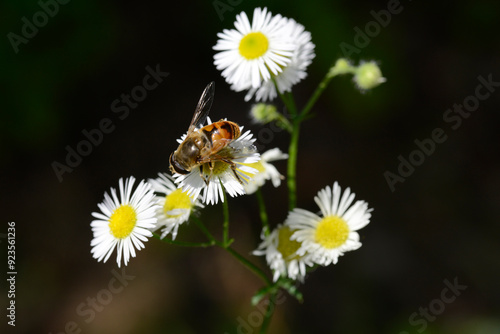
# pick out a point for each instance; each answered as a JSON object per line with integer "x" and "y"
{"x": 342, "y": 66}
{"x": 264, "y": 113}
{"x": 368, "y": 76}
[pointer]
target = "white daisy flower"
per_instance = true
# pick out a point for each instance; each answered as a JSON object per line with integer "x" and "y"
{"x": 124, "y": 222}
{"x": 281, "y": 254}
{"x": 330, "y": 235}
{"x": 266, "y": 171}
{"x": 175, "y": 205}
{"x": 241, "y": 152}
{"x": 294, "y": 72}
{"x": 252, "y": 53}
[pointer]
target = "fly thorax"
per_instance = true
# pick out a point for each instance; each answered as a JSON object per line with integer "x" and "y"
{"x": 188, "y": 152}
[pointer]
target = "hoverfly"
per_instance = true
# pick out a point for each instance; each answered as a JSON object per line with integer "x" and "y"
{"x": 204, "y": 146}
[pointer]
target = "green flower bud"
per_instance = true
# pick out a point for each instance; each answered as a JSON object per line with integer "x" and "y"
{"x": 342, "y": 66}
{"x": 368, "y": 76}
{"x": 264, "y": 113}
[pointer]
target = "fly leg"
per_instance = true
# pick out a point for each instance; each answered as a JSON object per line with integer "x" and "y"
{"x": 233, "y": 168}
{"x": 211, "y": 162}
{"x": 209, "y": 176}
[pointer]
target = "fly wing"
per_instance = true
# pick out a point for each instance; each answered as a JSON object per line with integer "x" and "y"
{"x": 243, "y": 146}
{"x": 203, "y": 107}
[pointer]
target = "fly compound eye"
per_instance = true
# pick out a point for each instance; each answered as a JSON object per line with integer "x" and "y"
{"x": 175, "y": 166}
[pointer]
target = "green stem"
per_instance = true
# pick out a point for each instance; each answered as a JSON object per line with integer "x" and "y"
{"x": 269, "y": 312}
{"x": 263, "y": 212}
{"x": 225, "y": 225}
{"x": 292, "y": 150}
{"x": 225, "y": 244}
{"x": 294, "y": 140}
{"x": 247, "y": 264}
{"x": 184, "y": 243}
{"x": 341, "y": 66}
{"x": 292, "y": 165}
{"x": 203, "y": 229}
{"x": 283, "y": 122}
{"x": 288, "y": 101}
{"x": 291, "y": 104}
{"x": 316, "y": 94}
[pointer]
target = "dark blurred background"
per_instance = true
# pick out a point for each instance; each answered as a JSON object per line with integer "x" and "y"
{"x": 439, "y": 225}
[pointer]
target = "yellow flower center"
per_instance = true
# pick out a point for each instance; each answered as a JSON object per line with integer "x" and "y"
{"x": 253, "y": 45}
{"x": 219, "y": 167}
{"x": 122, "y": 221}
{"x": 176, "y": 200}
{"x": 257, "y": 165}
{"x": 332, "y": 232}
{"x": 287, "y": 247}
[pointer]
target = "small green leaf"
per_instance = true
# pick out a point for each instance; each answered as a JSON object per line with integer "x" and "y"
{"x": 291, "y": 287}
{"x": 260, "y": 294}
